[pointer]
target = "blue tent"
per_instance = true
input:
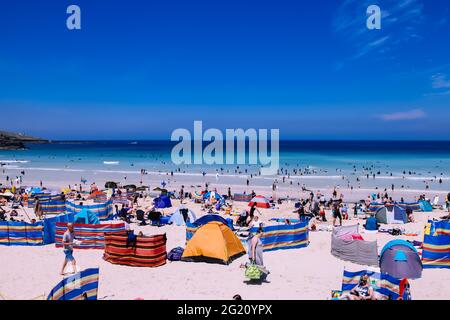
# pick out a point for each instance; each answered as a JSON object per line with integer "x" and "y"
{"x": 213, "y": 217}
{"x": 391, "y": 214}
{"x": 400, "y": 259}
{"x": 212, "y": 194}
{"x": 425, "y": 206}
{"x": 178, "y": 219}
{"x": 162, "y": 202}
{"x": 86, "y": 216}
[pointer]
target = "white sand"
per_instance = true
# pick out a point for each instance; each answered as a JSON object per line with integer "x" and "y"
{"x": 307, "y": 273}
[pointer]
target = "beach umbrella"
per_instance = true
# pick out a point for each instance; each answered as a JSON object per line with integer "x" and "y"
{"x": 260, "y": 202}
{"x": 111, "y": 185}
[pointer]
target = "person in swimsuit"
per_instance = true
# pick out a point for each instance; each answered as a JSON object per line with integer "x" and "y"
{"x": 363, "y": 291}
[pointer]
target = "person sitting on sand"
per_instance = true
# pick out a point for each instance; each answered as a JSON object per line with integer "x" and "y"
{"x": 68, "y": 241}
{"x": 2, "y": 214}
{"x": 37, "y": 208}
{"x": 363, "y": 291}
{"x": 410, "y": 215}
{"x": 322, "y": 214}
{"x": 313, "y": 225}
{"x": 242, "y": 219}
{"x": 254, "y": 222}
{"x": 344, "y": 211}
{"x": 371, "y": 224}
{"x": 155, "y": 217}
{"x": 447, "y": 203}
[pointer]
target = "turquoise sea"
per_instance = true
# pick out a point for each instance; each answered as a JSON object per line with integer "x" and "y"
{"x": 411, "y": 160}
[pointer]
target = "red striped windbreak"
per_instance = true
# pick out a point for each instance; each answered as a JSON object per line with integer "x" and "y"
{"x": 149, "y": 251}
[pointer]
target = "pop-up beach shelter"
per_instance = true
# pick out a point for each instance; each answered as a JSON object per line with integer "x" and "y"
{"x": 212, "y": 195}
{"x": 425, "y": 206}
{"x": 213, "y": 242}
{"x": 162, "y": 202}
{"x": 86, "y": 216}
{"x": 178, "y": 218}
{"x": 400, "y": 259}
{"x": 391, "y": 214}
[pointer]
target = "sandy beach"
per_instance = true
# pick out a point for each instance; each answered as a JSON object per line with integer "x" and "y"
{"x": 307, "y": 273}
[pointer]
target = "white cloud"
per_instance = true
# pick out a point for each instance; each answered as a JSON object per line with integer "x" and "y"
{"x": 439, "y": 81}
{"x": 406, "y": 115}
{"x": 400, "y": 23}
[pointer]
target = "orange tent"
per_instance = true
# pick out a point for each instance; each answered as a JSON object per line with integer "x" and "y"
{"x": 213, "y": 242}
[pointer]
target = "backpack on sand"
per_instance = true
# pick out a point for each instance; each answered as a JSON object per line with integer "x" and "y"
{"x": 175, "y": 254}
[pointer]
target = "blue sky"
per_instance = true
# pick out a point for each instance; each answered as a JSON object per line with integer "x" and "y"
{"x": 140, "y": 69}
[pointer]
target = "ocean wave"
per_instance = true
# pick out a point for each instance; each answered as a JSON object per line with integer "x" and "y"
{"x": 51, "y": 169}
{"x": 111, "y": 162}
{"x": 14, "y": 161}
{"x": 10, "y": 167}
{"x": 416, "y": 178}
{"x": 117, "y": 171}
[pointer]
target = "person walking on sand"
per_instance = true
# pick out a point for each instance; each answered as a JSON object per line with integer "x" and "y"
{"x": 68, "y": 240}
{"x": 256, "y": 248}
{"x": 255, "y": 252}
{"x": 336, "y": 213}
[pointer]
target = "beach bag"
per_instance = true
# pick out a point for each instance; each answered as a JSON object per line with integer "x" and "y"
{"x": 175, "y": 254}
{"x": 395, "y": 232}
{"x": 252, "y": 272}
